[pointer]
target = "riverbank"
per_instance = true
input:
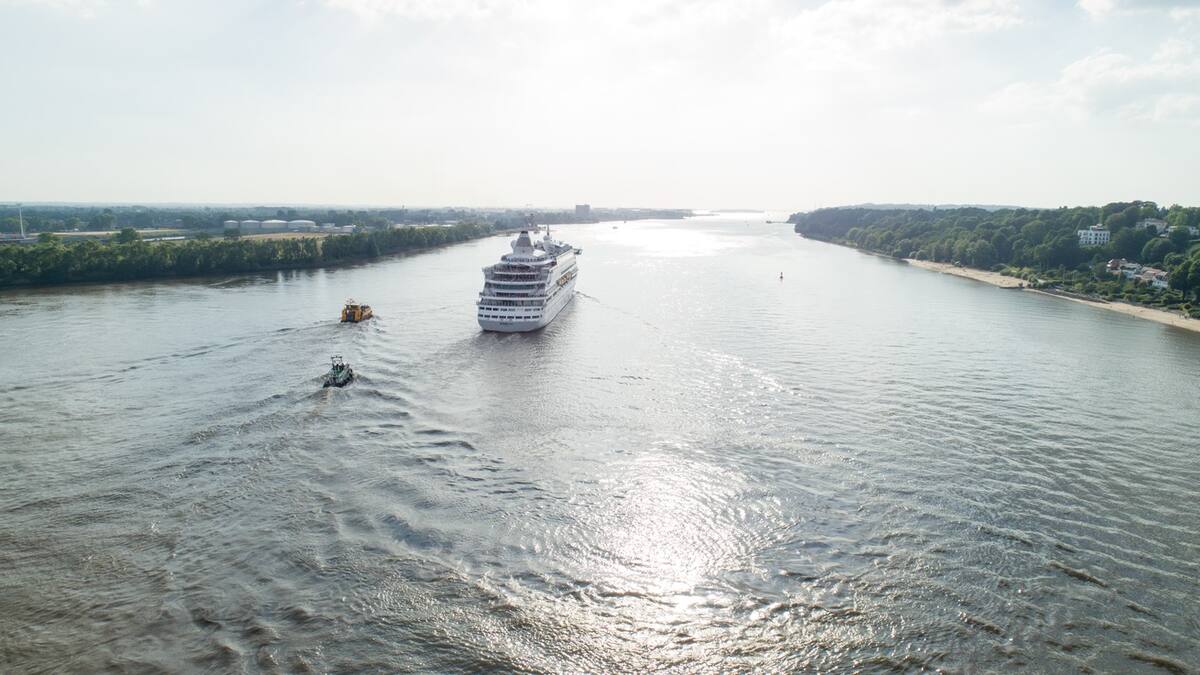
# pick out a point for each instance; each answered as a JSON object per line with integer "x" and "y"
{"x": 993, "y": 278}
{"x": 996, "y": 279}
{"x": 53, "y": 263}
{"x": 1149, "y": 313}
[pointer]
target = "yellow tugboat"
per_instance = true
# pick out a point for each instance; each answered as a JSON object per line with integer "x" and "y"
{"x": 354, "y": 312}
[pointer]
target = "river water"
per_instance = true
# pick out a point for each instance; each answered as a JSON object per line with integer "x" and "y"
{"x": 697, "y": 466}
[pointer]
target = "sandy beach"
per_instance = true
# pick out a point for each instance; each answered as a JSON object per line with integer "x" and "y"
{"x": 1161, "y": 316}
{"x": 993, "y": 278}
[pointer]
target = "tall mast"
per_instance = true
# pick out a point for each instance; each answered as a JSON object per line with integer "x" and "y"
{"x": 21, "y": 220}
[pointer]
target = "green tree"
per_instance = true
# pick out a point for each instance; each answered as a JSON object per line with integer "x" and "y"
{"x": 103, "y": 221}
{"x": 1034, "y": 232}
{"x": 1128, "y": 243}
{"x": 1155, "y": 250}
{"x": 48, "y": 238}
{"x": 1180, "y": 276}
{"x": 142, "y": 220}
{"x": 127, "y": 235}
{"x": 1180, "y": 238}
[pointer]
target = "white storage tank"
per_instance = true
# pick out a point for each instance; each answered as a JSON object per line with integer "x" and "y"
{"x": 231, "y": 224}
{"x": 274, "y": 225}
{"x": 250, "y": 224}
{"x": 302, "y": 225}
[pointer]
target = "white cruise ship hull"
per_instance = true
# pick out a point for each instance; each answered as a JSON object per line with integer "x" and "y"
{"x": 549, "y": 312}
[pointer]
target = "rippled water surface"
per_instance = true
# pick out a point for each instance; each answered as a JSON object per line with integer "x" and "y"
{"x": 697, "y": 466}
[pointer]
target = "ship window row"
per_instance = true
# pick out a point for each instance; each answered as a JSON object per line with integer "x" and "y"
{"x": 512, "y": 303}
{"x": 501, "y": 310}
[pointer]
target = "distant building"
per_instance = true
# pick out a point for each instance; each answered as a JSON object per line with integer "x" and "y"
{"x": 1160, "y": 226}
{"x": 1095, "y": 235}
{"x": 583, "y": 210}
{"x": 274, "y": 224}
{"x": 1129, "y": 270}
{"x": 231, "y": 224}
{"x": 251, "y": 225}
{"x": 1156, "y": 278}
{"x": 302, "y": 225}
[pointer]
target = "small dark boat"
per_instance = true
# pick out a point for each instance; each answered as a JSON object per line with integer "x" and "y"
{"x": 340, "y": 373}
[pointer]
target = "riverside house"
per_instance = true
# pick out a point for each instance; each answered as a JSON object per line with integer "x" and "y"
{"x": 1127, "y": 269}
{"x": 1155, "y": 277}
{"x": 1152, "y": 276}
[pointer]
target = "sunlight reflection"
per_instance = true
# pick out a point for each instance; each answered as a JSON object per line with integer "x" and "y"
{"x": 667, "y": 529}
{"x": 658, "y": 241}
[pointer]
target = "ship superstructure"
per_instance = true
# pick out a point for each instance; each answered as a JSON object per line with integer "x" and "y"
{"x": 528, "y": 287}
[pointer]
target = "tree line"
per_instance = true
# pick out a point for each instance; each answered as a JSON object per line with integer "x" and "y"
{"x": 1042, "y": 240}
{"x": 128, "y": 257}
{"x": 66, "y": 218}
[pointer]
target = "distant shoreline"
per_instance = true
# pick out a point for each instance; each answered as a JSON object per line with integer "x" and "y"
{"x": 1002, "y": 281}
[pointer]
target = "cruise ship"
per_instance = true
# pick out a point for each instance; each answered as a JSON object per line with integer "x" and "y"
{"x": 528, "y": 287}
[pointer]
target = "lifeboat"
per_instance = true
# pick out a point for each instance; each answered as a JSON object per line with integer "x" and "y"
{"x": 340, "y": 373}
{"x": 354, "y": 312}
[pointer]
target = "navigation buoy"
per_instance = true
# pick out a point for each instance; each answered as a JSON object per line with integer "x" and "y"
{"x": 781, "y": 276}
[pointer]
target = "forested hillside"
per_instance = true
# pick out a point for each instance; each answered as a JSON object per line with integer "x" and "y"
{"x": 1033, "y": 242}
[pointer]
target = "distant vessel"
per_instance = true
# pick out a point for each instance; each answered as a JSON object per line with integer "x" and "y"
{"x": 340, "y": 373}
{"x": 528, "y": 287}
{"x": 354, "y": 312}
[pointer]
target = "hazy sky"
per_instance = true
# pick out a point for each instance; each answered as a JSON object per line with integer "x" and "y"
{"x": 705, "y": 104}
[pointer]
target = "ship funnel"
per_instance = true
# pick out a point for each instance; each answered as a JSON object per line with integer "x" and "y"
{"x": 522, "y": 245}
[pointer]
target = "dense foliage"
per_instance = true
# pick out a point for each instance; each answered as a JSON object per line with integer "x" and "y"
{"x": 128, "y": 257}
{"x": 1042, "y": 243}
{"x": 68, "y": 218}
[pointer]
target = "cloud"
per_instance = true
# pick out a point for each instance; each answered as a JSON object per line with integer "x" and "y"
{"x": 419, "y": 9}
{"x": 866, "y": 23}
{"x": 1160, "y": 88}
{"x": 840, "y": 33}
{"x": 1176, "y": 9}
{"x": 85, "y": 9}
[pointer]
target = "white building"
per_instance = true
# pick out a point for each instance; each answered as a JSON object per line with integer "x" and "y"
{"x": 1095, "y": 235}
{"x": 1160, "y": 226}
{"x": 1155, "y": 277}
{"x": 1130, "y": 270}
